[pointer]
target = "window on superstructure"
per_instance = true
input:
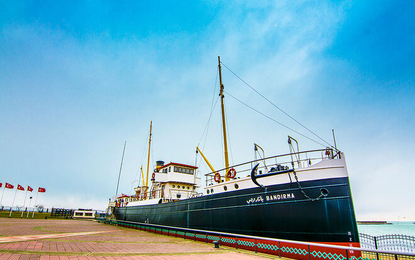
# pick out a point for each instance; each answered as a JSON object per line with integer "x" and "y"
{"x": 175, "y": 168}
{"x": 169, "y": 168}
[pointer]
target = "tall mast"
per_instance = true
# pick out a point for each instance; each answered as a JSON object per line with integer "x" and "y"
{"x": 148, "y": 157}
{"x": 223, "y": 123}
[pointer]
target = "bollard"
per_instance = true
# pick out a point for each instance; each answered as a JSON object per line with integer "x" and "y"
{"x": 216, "y": 243}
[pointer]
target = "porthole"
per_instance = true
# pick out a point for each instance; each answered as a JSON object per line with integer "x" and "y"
{"x": 211, "y": 190}
{"x": 236, "y": 186}
{"x": 188, "y": 188}
{"x": 174, "y": 186}
{"x": 207, "y": 191}
{"x": 183, "y": 187}
{"x": 324, "y": 192}
{"x": 225, "y": 188}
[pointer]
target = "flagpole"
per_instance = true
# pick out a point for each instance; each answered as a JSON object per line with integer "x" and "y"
{"x": 33, "y": 214}
{"x": 1, "y": 201}
{"x": 11, "y": 208}
{"x": 24, "y": 203}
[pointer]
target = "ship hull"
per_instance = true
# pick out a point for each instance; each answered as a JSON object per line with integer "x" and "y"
{"x": 284, "y": 211}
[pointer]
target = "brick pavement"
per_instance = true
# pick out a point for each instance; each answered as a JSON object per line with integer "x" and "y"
{"x": 51, "y": 239}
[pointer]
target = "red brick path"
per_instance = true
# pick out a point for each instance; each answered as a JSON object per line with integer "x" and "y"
{"x": 87, "y": 240}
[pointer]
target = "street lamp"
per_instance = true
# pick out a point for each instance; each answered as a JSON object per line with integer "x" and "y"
{"x": 30, "y": 201}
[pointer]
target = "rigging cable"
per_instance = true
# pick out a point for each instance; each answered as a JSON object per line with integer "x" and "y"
{"x": 281, "y": 124}
{"x": 212, "y": 108}
{"x": 278, "y": 109}
{"x": 229, "y": 137}
{"x": 138, "y": 173}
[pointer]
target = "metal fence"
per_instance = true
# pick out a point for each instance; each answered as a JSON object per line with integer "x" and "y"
{"x": 401, "y": 243}
{"x": 279, "y": 247}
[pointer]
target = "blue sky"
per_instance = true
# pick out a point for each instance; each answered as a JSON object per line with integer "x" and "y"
{"x": 78, "y": 78}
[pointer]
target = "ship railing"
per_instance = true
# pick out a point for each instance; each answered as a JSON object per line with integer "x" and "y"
{"x": 173, "y": 194}
{"x": 275, "y": 163}
{"x": 278, "y": 247}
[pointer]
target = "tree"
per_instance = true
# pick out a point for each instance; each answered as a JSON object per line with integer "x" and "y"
{"x": 40, "y": 208}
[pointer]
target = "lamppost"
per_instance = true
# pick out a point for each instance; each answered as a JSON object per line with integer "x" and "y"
{"x": 30, "y": 201}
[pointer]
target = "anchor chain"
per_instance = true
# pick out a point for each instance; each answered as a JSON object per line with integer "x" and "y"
{"x": 303, "y": 192}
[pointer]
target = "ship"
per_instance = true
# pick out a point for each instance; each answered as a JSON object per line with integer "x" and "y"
{"x": 299, "y": 195}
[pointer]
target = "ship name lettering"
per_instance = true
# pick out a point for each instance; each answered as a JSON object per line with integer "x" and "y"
{"x": 271, "y": 198}
{"x": 255, "y": 200}
{"x": 280, "y": 197}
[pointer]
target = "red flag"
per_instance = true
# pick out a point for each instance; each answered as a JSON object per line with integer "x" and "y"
{"x": 1, "y": 184}
{"x": 29, "y": 188}
{"x": 41, "y": 189}
{"x": 9, "y": 186}
{"x": 20, "y": 187}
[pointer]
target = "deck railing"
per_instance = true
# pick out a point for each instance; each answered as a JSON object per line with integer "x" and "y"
{"x": 279, "y": 247}
{"x": 300, "y": 159}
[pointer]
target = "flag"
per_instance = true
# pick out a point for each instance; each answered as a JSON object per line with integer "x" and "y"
{"x": 29, "y": 188}
{"x": 20, "y": 187}
{"x": 9, "y": 186}
{"x": 1, "y": 184}
{"x": 41, "y": 189}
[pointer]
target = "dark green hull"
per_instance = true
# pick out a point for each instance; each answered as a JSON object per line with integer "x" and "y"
{"x": 279, "y": 211}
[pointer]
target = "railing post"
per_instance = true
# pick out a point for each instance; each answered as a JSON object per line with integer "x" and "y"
{"x": 376, "y": 247}
{"x": 347, "y": 254}
{"x": 309, "y": 255}
{"x": 236, "y": 242}
{"x": 279, "y": 246}
{"x": 256, "y": 246}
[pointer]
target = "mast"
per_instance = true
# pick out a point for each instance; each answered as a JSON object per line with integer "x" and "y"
{"x": 225, "y": 142}
{"x": 119, "y": 174}
{"x": 142, "y": 176}
{"x": 148, "y": 157}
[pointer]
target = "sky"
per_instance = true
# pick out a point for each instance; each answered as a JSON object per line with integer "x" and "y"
{"x": 80, "y": 78}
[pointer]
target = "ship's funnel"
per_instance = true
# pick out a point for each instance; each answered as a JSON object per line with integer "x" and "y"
{"x": 159, "y": 163}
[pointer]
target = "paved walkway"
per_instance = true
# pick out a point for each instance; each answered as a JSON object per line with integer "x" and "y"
{"x": 87, "y": 240}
